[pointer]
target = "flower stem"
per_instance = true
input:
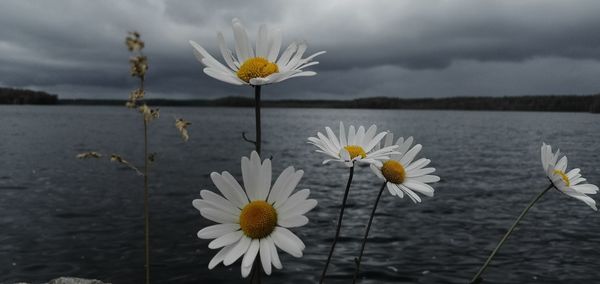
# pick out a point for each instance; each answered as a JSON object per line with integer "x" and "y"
{"x": 257, "y": 116}
{"x": 364, "y": 242}
{"x": 477, "y": 278}
{"x": 256, "y": 275}
{"x": 339, "y": 225}
{"x": 255, "y": 278}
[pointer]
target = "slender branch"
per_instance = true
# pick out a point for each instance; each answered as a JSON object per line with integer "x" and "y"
{"x": 477, "y": 278}
{"x": 339, "y": 225}
{"x": 248, "y": 140}
{"x": 257, "y": 116}
{"x": 364, "y": 242}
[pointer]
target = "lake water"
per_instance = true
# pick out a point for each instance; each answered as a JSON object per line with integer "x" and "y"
{"x": 60, "y": 216}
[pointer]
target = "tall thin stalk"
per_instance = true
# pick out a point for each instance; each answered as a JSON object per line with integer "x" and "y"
{"x": 477, "y": 278}
{"x": 146, "y": 205}
{"x": 139, "y": 66}
{"x": 364, "y": 242}
{"x": 146, "y": 192}
{"x": 339, "y": 225}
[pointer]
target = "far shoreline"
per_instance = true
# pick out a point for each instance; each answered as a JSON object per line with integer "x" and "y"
{"x": 551, "y": 103}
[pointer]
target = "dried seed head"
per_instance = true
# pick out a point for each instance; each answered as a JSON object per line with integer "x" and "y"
{"x": 134, "y": 96}
{"x": 133, "y": 42}
{"x": 181, "y": 125}
{"x": 149, "y": 113}
{"x": 118, "y": 159}
{"x": 139, "y": 66}
{"x": 87, "y": 155}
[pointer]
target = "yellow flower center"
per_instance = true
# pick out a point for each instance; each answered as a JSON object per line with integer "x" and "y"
{"x": 355, "y": 151}
{"x": 564, "y": 177}
{"x": 256, "y": 67}
{"x": 393, "y": 172}
{"x": 258, "y": 219}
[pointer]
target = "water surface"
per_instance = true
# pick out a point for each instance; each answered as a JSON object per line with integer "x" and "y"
{"x": 62, "y": 216}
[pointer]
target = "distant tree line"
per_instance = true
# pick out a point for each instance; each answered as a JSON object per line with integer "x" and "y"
{"x": 569, "y": 103}
{"x": 595, "y": 107}
{"x": 20, "y": 97}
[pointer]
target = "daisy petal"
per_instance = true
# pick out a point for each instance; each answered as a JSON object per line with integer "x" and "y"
{"x": 262, "y": 43}
{"x": 216, "y": 231}
{"x": 218, "y": 216}
{"x": 251, "y": 254}
{"x": 274, "y": 255}
{"x": 225, "y": 240}
{"x": 274, "y": 45}
{"x": 410, "y": 155}
{"x": 226, "y": 53}
{"x": 243, "y": 49}
{"x": 288, "y": 234}
{"x": 586, "y": 188}
{"x": 230, "y": 191}
{"x": 265, "y": 255}
{"x": 283, "y": 179}
{"x": 219, "y": 202}
{"x": 286, "y": 190}
{"x": 237, "y": 251}
{"x": 293, "y": 221}
{"x": 286, "y": 244}
{"x": 218, "y": 258}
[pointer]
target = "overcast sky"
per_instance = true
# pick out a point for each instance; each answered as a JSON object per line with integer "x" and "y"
{"x": 393, "y": 48}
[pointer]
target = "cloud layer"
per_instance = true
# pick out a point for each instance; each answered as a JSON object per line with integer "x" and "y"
{"x": 375, "y": 47}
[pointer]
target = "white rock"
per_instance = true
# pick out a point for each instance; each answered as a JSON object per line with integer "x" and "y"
{"x": 71, "y": 280}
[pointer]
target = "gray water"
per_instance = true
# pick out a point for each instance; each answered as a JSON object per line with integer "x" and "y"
{"x": 62, "y": 216}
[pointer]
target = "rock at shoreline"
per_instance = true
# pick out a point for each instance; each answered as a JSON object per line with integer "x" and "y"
{"x": 70, "y": 280}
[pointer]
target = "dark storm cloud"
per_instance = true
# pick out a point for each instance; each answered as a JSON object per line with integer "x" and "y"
{"x": 375, "y": 48}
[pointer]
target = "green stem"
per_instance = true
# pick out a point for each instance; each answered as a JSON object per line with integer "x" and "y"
{"x": 257, "y": 274}
{"x": 364, "y": 242}
{"x": 339, "y": 225}
{"x": 257, "y": 117}
{"x": 477, "y": 278}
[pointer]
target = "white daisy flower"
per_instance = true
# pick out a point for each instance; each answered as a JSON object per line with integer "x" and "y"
{"x": 359, "y": 146}
{"x": 254, "y": 220}
{"x": 404, "y": 175}
{"x": 260, "y": 67}
{"x": 568, "y": 183}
